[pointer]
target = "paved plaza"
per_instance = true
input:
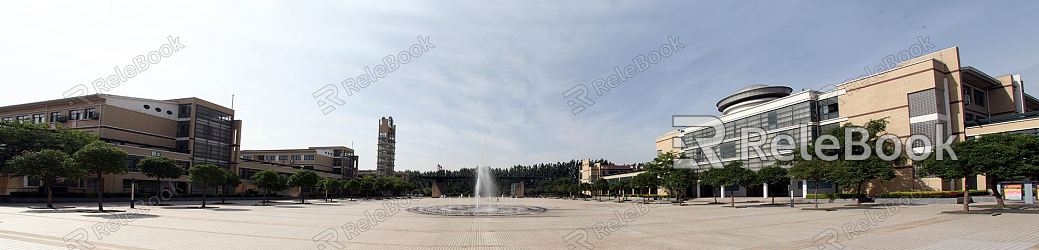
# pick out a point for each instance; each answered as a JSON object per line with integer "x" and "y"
{"x": 573, "y": 224}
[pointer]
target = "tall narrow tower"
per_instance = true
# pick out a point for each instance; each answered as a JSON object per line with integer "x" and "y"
{"x": 387, "y": 146}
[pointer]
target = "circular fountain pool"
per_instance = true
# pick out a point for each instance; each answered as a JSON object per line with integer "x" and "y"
{"x": 472, "y": 210}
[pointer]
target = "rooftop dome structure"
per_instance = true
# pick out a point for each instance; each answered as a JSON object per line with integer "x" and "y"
{"x": 751, "y": 96}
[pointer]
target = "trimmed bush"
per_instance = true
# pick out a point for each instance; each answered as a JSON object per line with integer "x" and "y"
{"x": 933, "y": 194}
{"x": 835, "y": 196}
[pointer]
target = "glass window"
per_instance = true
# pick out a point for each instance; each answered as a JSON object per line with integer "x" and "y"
{"x": 91, "y": 113}
{"x": 55, "y": 116}
{"x": 979, "y": 97}
{"x": 283, "y": 157}
{"x": 308, "y": 157}
{"x": 75, "y": 114}
{"x": 37, "y": 118}
{"x": 728, "y": 150}
{"x": 297, "y": 157}
{"x": 5, "y": 119}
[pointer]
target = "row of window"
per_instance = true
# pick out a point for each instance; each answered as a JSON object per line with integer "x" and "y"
{"x": 278, "y": 157}
{"x": 75, "y": 114}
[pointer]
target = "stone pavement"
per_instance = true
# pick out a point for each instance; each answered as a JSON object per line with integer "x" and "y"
{"x": 568, "y": 224}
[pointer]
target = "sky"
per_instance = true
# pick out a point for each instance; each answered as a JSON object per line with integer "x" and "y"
{"x": 490, "y": 91}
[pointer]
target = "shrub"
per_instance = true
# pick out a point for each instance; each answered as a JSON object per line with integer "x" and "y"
{"x": 933, "y": 194}
{"x": 835, "y": 196}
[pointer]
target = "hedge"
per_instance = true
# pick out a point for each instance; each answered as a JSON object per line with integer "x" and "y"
{"x": 933, "y": 194}
{"x": 834, "y": 196}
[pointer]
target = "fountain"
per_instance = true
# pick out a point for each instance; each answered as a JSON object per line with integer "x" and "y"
{"x": 484, "y": 189}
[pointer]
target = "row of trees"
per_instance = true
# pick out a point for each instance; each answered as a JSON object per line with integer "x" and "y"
{"x": 35, "y": 150}
{"x": 999, "y": 157}
{"x": 557, "y": 178}
{"x": 367, "y": 186}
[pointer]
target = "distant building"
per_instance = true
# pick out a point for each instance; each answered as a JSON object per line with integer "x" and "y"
{"x": 329, "y": 162}
{"x": 187, "y": 130}
{"x": 335, "y": 161}
{"x": 387, "y": 146}
{"x": 591, "y": 172}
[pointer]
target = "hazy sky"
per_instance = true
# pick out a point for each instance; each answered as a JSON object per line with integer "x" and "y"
{"x": 490, "y": 92}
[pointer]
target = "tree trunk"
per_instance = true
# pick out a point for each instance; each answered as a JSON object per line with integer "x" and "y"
{"x": 996, "y": 193}
{"x": 50, "y": 195}
{"x": 301, "y": 199}
{"x": 732, "y": 198}
{"x": 100, "y": 191}
{"x": 205, "y": 189}
{"x": 816, "y": 193}
{"x": 326, "y": 195}
{"x": 223, "y": 189}
{"x": 158, "y": 190}
{"x": 771, "y": 194}
{"x": 966, "y": 200}
{"x": 858, "y": 193}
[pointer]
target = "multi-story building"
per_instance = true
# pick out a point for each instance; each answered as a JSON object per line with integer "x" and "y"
{"x": 331, "y": 162}
{"x": 932, "y": 95}
{"x": 188, "y": 130}
{"x": 593, "y": 171}
{"x": 335, "y": 161}
{"x": 387, "y": 146}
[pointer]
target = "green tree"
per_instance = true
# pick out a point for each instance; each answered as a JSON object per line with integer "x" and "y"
{"x": 814, "y": 170}
{"x": 328, "y": 185}
{"x": 98, "y": 159}
{"x": 352, "y": 186}
{"x": 19, "y": 137}
{"x": 645, "y": 181}
{"x": 206, "y": 174}
{"x": 733, "y": 173}
{"x": 269, "y": 181}
{"x": 230, "y": 180}
{"x": 854, "y": 173}
{"x": 997, "y": 156}
{"x": 774, "y": 176}
{"x": 368, "y": 184}
{"x": 676, "y": 181}
{"x": 48, "y": 165}
{"x": 712, "y": 177}
{"x": 160, "y": 168}
{"x": 602, "y": 186}
{"x": 304, "y": 179}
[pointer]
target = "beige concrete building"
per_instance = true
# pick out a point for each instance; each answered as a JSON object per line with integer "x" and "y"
{"x": 188, "y": 130}
{"x": 330, "y": 162}
{"x": 917, "y": 96}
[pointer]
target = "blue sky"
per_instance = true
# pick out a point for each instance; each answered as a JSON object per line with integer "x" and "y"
{"x": 490, "y": 93}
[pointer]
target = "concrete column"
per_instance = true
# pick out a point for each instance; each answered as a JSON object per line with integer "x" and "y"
{"x": 804, "y": 189}
{"x": 1027, "y": 194}
{"x": 722, "y": 191}
{"x": 764, "y": 190}
{"x": 697, "y": 188}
